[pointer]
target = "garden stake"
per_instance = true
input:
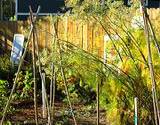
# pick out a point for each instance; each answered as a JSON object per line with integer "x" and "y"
{"x": 63, "y": 76}
{"x": 151, "y": 69}
{"x": 66, "y": 89}
{"x": 40, "y": 72}
{"x": 44, "y": 111}
{"x": 158, "y": 49}
{"x": 51, "y": 89}
{"x": 54, "y": 90}
{"x": 136, "y": 111}
{"x": 53, "y": 78}
{"x": 34, "y": 68}
{"x": 97, "y": 100}
{"x": 19, "y": 69}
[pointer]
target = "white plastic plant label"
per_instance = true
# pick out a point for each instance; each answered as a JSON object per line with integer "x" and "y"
{"x": 17, "y": 48}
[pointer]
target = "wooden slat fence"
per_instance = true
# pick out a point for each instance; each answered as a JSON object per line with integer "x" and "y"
{"x": 7, "y": 31}
{"x": 85, "y": 35}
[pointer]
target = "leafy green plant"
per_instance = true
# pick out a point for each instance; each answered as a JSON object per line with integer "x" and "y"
{"x": 5, "y": 67}
{"x": 125, "y": 77}
{"x": 3, "y": 93}
{"x": 8, "y": 123}
{"x": 25, "y": 85}
{"x": 126, "y": 70}
{"x": 28, "y": 85}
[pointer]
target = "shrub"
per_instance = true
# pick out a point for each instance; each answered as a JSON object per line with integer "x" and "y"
{"x": 25, "y": 85}
{"x": 5, "y": 67}
{"x": 3, "y": 94}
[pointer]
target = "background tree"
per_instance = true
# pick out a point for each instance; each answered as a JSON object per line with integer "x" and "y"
{"x": 7, "y": 9}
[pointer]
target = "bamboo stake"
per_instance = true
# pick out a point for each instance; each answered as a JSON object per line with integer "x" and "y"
{"x": 53, "y": 93}
{"x": 34, "y": 69}
{"x": 19, "y": 69}
{"x": 97, "y": 101}
{"x": 158, "y": 49}
{"x": 151, "y": 69}
{"x": 40, "y": 72}
{"x": 53, "y": 77}
{"x": 51, "y": 88}
{"x": 67, "y": 93}
{"x": 63, "y": 76}
{"x": 34, "y": 78}
{"x": 54, "y": 90}
{"x": 44, "y": 111}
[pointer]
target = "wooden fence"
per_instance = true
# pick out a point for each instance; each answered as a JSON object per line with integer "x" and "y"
{"x": 85, "y": 35}
{"x": 7, "y": 30}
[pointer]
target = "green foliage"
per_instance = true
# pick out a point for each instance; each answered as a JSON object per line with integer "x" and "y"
{"x": 13, "y": 18}
{"x": 125, "y": 74}
{"x": 8, "y": 8}
{"x": 79, "y": 80}
{"x": 122, "y": 80}
{"x": 7, "y": 123}
{"x": 25, "y": 85}
{"x": 3, "y": 93}
{"x": 5, "y": 66}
